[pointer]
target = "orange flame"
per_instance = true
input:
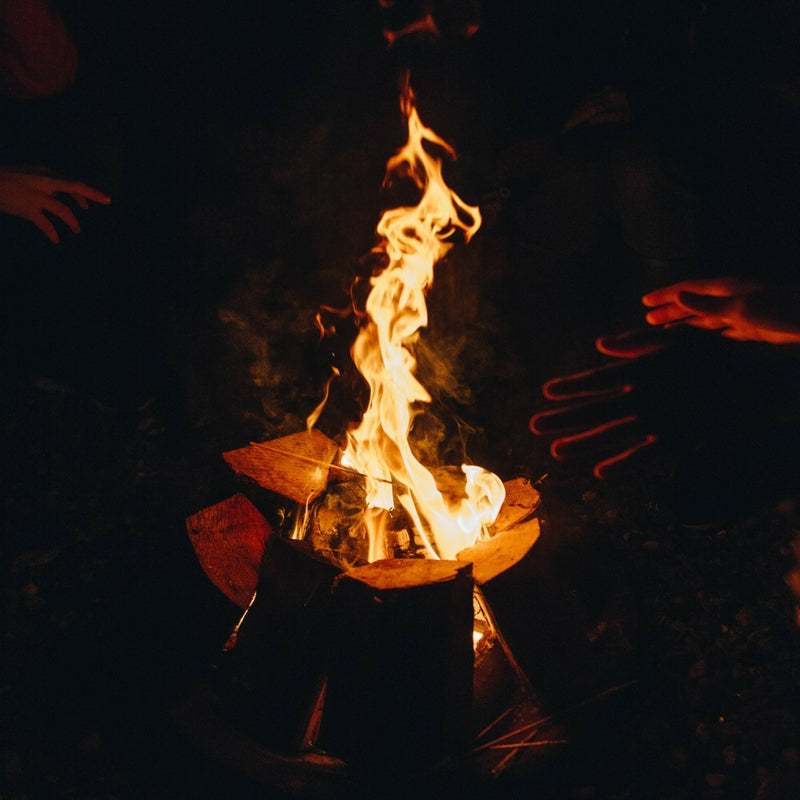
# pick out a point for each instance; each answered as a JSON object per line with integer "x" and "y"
{"x": 413, "y": 239}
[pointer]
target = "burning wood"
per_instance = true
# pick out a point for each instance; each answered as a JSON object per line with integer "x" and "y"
{"x": 521, "y": 500}
{"x": 296, "y": 466}
{"x": 494, "y": 556}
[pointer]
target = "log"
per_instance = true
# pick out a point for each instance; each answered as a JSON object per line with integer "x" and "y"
{"x": 502, "y": 551}
{"x": 228, "y": 539}
{"x": 521, "y": 500}
{"x": 295, "y": 466}
{"x": 400, "y": 681}
{"x": 272, "y": 678}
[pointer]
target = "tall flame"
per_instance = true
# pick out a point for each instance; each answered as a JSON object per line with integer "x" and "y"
{"x": 413, "y": 239}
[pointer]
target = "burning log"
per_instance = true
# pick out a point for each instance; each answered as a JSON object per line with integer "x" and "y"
{"x": 295, "y": 466}
{"x": 400, "y": 682}
{"x": 495, "y": 556}
{"x": 274, "y": 675}
{"x": 521, "y": 500}
{"x": 229, "y": 539}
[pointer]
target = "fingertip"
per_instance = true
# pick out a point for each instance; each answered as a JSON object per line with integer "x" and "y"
{"x": 538, "y": 423}
{"x": 600, "y": 344}
{"x": 651, "y": 318}
{"x": 606, "y": 346}
{"x": 548, "y": 390}
{"x": 604, "y": 470}
{"x": 555, "y": 451}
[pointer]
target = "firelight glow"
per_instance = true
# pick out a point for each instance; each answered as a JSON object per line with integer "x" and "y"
{"x": 414, "y": 239}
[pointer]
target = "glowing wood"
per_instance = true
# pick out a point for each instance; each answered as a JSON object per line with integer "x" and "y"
{"x": 494, "y": 556}
{"x": 520, "y": 502}
{"x": 228, "y": 539}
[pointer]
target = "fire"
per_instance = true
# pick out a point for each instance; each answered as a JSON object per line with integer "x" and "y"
{"x": 413, "y": 240}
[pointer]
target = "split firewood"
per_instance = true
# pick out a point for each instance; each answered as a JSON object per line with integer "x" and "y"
{"x": 521, "y": 500}
{"x": 228, "y": 539}
{"x": 295, "y": 466}
{"x": 273, "y": 677}
{"x": 399, "y": 687}
{"x": 502, "y": 551}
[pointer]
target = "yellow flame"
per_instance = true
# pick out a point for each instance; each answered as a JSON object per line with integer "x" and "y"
{"x": 414, "y": 239}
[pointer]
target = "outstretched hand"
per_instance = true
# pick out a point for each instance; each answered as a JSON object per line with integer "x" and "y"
{"x": 674, "y": 383}
{"x": 33, "y": 197}
{"x": 738, "y": 309}
{"x": 601, "y": 413}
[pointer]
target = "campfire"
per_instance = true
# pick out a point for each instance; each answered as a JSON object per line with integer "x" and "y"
{"x": 368, "y": 644}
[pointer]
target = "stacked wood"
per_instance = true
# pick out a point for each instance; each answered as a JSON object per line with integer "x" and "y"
{"x": 394, "y": 638}
{"x": 273, "y": 678}
{"x": 400, "y": 681}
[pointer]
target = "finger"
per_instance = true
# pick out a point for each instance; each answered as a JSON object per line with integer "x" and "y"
{"x": 624, "y": 461}
{"x": 735, "y": 333}
{"x": 81, "y": 201}
{"x": 718, "y": 287}
{"x": 76, "y": 189}
{"x": 609, "y": 379}
{"x": 613, "y": 437}
{"x": 633, "y": 344}
{"x": 45, "y": 226}
{"x": 82, "y": 190}
{"x": 584, "y": 416}
{"x": 63, "y": 212}
{"x": 663, "y": 315}
{"x": 707, "y": 305}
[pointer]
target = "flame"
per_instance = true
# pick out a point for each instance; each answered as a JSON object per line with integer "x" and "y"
{"x": 413, "y": 239}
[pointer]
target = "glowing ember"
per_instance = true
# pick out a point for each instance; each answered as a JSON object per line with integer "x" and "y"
{"x": 413, "y": 239}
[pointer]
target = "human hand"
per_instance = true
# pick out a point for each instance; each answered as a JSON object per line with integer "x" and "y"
{"x": 602, "y": 418}
{"x": 671, "y": 388}
{"x": 32, "y": 196}
{"x": 739, "y": 309}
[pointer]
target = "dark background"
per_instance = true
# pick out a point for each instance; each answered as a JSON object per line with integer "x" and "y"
{"x": 244, "y": 148}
